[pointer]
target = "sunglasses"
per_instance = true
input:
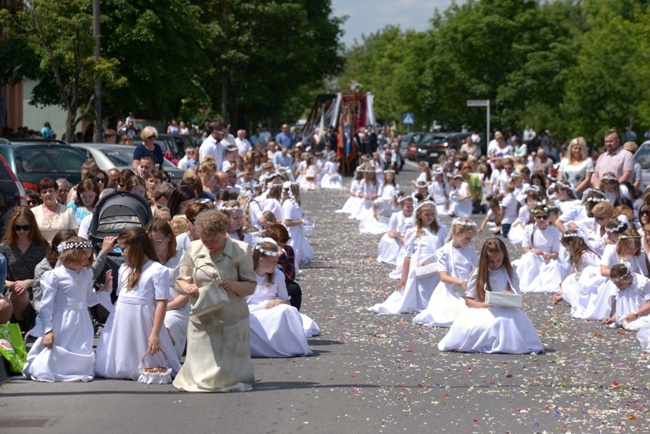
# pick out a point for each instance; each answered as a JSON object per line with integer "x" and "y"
{"x": 100, "y": 179}
{"x": 541, "y": 217}
{"x": 25, "y": 228}
{"x": 599, "y": 219}
{"x": 32, "y": 202}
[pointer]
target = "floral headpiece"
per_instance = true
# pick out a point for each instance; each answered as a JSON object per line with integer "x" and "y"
{"x": 424, "y": 203}
{"x": 544, "y": 210}
{"x": 564, "y": 185}
{"x": 622, "y": 222}
{"x": 438, "y": 171}
{"x": 267, "y": 252}
{"x": 466, "y": 223}
{"x": 421, "y": 184}
{"x": 287, "y": 187}
{"x": 609, "y": 178}
{"x": 532, "y": 188}
{"x": 223, "y": 207}
{"x": 80, "y": 245}
{"x": 389, "y": 171}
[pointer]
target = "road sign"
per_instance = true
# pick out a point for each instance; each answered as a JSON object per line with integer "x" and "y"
{"x": 478, "y": 102}
{"x": 408, "y": 119}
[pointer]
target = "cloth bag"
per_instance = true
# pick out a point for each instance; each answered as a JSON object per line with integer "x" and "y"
{"x": 12, "y": 347}
{"x": 211, "y": 296}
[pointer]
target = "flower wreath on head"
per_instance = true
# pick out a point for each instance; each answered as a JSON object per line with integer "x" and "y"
{"x": 609, "y": 178}
{"x": 79, "y": 245}
{"x": 287, "y": 186}
{"x": 424, "y": 203}
{"x": 544, "y": 210}
{"x": 259, "y": 247}
{"x": 622, "y": 221}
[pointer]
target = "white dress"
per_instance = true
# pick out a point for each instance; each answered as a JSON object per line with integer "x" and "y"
{"x": 417, "y": 291}
{"x": 439, "y": 192}
{"x": 643, "y": 336}
{"x": 331, "y": 178}
{"x": 351, "y": 206}
{"x": 516, "y": 234}
{"x": 176, "y": 320}
{"x": 310, "y": 180}
{"x": 124, "y": 340}
{"x": 67, "y": 294}
{"x": 280, "y": 331}
{"x": 299, "y": 242}
{"x": 630, "y": 300}
{"x": 385, "y": 209}
{"x": 590, "y": 230}
{"x": 495, "y": 329}
{"x": 593, "y": 301}
{"x": 587, "y": 270}
{"x": 448, "y": 301}
{"x": 389, "y": 247}
{"x": 396, "y": 274}
{"x": 535, "y": 274}
{"x": 457, "y": 207}
{"x": 273, "y": 205}
{"x": 365, "y": 208}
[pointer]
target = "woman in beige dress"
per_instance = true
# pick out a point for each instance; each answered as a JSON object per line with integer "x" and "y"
{"x": 218, "y": 347}
{"x": 51, "y": 216}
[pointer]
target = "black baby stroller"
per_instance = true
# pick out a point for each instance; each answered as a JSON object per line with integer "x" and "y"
{"x": 114, "y": 213}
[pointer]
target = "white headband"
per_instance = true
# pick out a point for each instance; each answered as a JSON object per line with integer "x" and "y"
{"x": 609, "y": 178}
{"x": 622, "y": 221}
{"x": 80, "y": 245}
{"x": 423, "y": 203}
{"x": 267, "y": 252}
{"x": 468, "y": 223}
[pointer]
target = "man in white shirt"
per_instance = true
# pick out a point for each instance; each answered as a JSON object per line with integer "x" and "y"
{"x": 243, "y": 145}
{"x": 213, "y": 145}
{"x": 529, "y": 135}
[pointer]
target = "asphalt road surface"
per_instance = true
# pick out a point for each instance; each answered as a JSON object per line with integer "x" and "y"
{"x": 373, "y": 373}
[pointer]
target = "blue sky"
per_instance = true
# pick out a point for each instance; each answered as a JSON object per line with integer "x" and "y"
{"x": 368, "y": 16}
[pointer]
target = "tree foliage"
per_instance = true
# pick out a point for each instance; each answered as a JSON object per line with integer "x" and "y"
{"x": 574, "y": 67}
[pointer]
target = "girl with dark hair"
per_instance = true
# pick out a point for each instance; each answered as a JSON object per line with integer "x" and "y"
{"x": 134, "y": 328}
{"x": 51, "y": 216}
{"x": 180, "y": 199}
{"x": 87, "y": 197}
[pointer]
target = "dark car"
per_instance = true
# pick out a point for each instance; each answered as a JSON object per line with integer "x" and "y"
{"x": 433, "y": 145}
{"x": 32, "y": 160}
{"x": 12, "y": 193}
{"x": 410, "y": 143}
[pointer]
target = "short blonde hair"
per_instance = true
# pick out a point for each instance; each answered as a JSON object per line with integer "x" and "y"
{"x": 630, "y": 146}
{"x": 149, "y": 132}
{"x": 179, "y": 224}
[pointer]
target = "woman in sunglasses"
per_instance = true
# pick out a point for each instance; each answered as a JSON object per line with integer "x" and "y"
{"x": 539, "y": 269}
{"x": 24, "y": 247}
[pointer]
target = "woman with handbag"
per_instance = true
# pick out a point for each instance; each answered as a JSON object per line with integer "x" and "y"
{"x": 217, "y": 274}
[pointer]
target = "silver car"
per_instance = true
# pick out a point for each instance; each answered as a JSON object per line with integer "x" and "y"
{"x": 642, "y": 156}
{"x": 109, "y": 156}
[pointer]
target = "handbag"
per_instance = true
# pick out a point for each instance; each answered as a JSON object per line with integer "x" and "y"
{"x": 12, "y": 347}
{"x": 428, "y": 270}
{"x": 212, "y": 296}
{"x": 154, "y": 375}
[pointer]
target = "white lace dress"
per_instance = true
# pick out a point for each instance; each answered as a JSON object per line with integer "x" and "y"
{"x": 125, "y": 337}
{"x": 67, "y": 294}
{"x": 495, "y": 329}
{"x": 448, "y": 301}
{"x": 535, "y": 273}
{"x": 385, "y": 209}
{"x": 415, "y": 295}
{"x": 299, "y": 242}
{"x": 281, "y": 331}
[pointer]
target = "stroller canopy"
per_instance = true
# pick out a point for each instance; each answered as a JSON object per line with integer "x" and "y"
{"x": 117, "y": 211}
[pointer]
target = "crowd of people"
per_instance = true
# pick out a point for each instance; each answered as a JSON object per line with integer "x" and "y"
{"x": 212, "y": 276}
{"x": 583, "y": 228}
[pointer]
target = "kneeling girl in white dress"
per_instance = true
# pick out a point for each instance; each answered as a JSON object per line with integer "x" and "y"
{"x": 486, "y": 329}
{"x": 293, "y": 219}
{"x": 331, "y": 177}
{"x": 177, "y": 315}
{"x": 630, "y": 295}
{"x": 582, "y": 260}
{"x": 351, "y": 206}
{"x": 277, "y": 328}
{"x": 393, "y": 240}
{"x": 235, "y": 214}
{"x": 456, "y": 260}
{"x": 135, "y": 327}
{"x": 64, "y": 348}
{"x": 376, "y": 222}
{"x": 539, "y": 269}
{"x": 420, "y": 245}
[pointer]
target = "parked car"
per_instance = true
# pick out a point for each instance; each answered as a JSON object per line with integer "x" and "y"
{"x": 32, "y": 160}
{"x": 642, "y": 156}
{"x": 433, "y": 145}
{"x": 108, "y": 156}
{"x": 12, "y": 193}
{"x": 409, "y": 144}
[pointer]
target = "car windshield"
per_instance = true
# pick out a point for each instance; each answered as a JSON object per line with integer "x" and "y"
{"x": 45, "y": 159}
{"x": 643, "y": 157}
{"x": 124, "y": 157}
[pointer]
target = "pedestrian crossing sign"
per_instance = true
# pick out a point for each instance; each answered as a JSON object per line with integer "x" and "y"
{"x": 408, "y": 119}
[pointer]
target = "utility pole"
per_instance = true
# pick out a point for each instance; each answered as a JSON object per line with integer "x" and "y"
{"x": 97, "y": 136}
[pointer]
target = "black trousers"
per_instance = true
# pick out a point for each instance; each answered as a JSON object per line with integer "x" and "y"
{"x": 295, "y": 293}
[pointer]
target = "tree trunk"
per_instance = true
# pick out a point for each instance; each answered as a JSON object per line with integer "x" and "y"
{"x": 70, "y": 125}
{"x": 224, "y": 68}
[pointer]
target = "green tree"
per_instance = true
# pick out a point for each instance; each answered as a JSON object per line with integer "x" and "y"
{"x": 262, "y": 53}
{"x": 59, "y": 35}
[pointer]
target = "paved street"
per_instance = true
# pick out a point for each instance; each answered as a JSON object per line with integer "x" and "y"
{"x": 372, "y": 373}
